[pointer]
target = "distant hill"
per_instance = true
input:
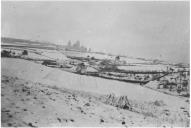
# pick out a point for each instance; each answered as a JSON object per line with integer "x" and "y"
{"x": 28, "y": 43}
{"x": 15, "y": 40}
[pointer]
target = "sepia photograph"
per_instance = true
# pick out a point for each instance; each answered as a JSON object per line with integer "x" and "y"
{"x": 95, "y": 63}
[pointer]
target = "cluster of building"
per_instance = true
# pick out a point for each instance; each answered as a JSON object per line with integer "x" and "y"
{"x": 76, "y": 47}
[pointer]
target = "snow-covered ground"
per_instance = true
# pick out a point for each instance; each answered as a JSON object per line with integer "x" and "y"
{"x": 39, "y": 75}
{"x": 142, "y": 67}
{"x": 54, "y": 54}
{"x": 78, "y": 82}
{"x": 133, "y": 60}
{"x": 83, "y": 54}
{"x": 40, "y": 54}
{"x": 101, "y": 56}
{"x": 29, "y": 104}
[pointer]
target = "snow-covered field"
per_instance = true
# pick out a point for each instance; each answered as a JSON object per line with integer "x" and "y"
{"x": 54, "y": 54}
{"x": 29, "y": 104}
{"x": 40, "y": 54}
{"x": 18, "y": 74}
{"x": 101, "y": 56}
{"x": 133, "y": 60}
{"x": 82, "y": 54}
{"x": 142, "y": 67}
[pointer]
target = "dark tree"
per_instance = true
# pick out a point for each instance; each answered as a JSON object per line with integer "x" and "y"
{"x": 25, "y": 52}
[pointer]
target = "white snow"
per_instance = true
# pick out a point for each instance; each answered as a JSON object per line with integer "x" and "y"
{"x": 39, "y": 73}
{"x": 54, "y": 54}
{"x": 46, "y": 83}
{"x": 142, "y": 67}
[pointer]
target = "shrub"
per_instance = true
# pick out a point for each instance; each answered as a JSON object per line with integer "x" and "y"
{"x": 5, "y": 53}
{"x": 148, "y": 114}
{"x": 121, "y": 102}
{"x": 25, "y": 52}
{"x": 159, "y": 103}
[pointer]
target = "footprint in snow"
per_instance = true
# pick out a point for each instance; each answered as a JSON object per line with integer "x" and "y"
{"x": 87, "y": 104}
{"x": 24, "y": 109}
{"x": 71, "y": 120}
{"x": 101, "y": 120}
{"x": 9, "y": 124}
{"x": 31, "y": 125}
{"x": 59, "y": 119}
{"x": 123, "y": 122}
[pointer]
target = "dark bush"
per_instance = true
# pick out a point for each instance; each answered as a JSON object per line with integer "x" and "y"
{"x": 5, "y": 53}
{"x": 25, "y": 52}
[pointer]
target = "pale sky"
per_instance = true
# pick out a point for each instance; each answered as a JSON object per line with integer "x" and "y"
{"x": 141, "y": 29}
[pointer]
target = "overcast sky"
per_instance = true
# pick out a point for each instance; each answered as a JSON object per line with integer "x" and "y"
{"x": 140, "y": 29}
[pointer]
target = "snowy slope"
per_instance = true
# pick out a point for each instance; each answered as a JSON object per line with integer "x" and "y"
{"x": 39, "y": 73}
{"x": 36, "y": 75}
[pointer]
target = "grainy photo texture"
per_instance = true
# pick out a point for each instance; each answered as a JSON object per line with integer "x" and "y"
{"x": 95, "y": 64}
